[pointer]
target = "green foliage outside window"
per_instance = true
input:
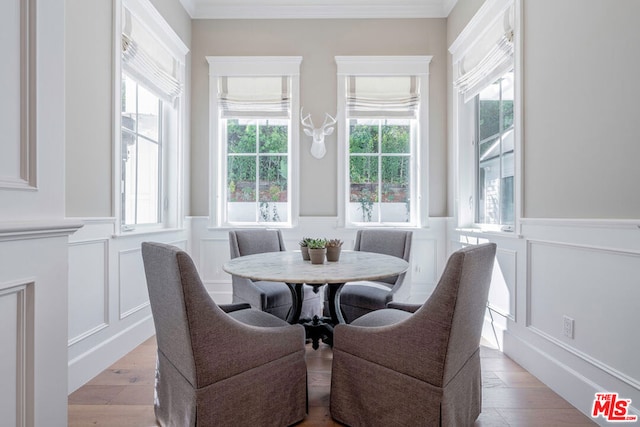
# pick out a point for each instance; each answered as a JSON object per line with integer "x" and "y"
{"x": 379, "y": 164}
{"x": 257, "y": 161}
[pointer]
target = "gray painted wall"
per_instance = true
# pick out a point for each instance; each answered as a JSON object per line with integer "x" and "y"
{"x": 581, "y": 122}
{"x": 318, "y": 41}
{"x": 89, "y": 112}
{"x": 581, "y": 128}
{"x": 89, "y": 100}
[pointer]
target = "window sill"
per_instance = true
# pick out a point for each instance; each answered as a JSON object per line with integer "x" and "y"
{"x": 493, "y": 233}
{"x": 361, "y": 226}
{"x": 259, "y": 226}
{"x": 135, "y": 233}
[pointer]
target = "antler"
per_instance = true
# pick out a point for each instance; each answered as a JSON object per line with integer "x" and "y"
{"x": 306, "y": 121}
{"x": 328, "y": 121}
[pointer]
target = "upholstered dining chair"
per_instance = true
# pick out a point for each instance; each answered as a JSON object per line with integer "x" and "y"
{"x": 272, "y": 297}
{"x": 359, "y": 298}
{"x": 417, "y": 365}
{"x": 219, "y": 365}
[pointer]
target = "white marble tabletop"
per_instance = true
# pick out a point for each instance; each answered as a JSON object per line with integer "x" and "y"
{"x": 289, "y": 267}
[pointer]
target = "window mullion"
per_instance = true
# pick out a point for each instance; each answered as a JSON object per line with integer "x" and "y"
{"x": 379, "y": 195}
{"x": 501, "y": 124}
{"x": 135, "y": 209}
{"x": 161, "y": 185}
{"x": 477, "y": 159}
{"x": 257, "y": 184}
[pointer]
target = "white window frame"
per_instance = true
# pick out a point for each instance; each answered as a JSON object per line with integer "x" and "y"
{"x": 173, "y": 121}
{"x": 221, "y": 66}
{"x": 464, "y": 120}
{"x": 386, "y": 66}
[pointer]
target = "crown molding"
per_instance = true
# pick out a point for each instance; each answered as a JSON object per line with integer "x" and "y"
{"x": 317, "y": 9}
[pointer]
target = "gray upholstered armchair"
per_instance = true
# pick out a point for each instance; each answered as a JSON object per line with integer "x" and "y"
{"x": 358, "y": 298}
{"x": 272, "y": 297}
{"x": 395, "y": 367}
{"x": 244, "y": 367}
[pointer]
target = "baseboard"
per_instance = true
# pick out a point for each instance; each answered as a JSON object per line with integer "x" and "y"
{"x": 89, "y": 364}
{"x": 574, "y": 387}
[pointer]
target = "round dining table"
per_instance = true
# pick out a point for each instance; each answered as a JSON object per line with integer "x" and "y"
{"x": 290, "y": 268}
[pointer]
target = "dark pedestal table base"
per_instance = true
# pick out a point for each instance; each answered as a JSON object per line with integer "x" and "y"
{"x": 318, "y": 328}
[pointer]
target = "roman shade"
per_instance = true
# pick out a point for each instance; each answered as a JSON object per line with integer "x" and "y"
{"x": 491, "y": 56}
{"x": 245, "y": 96}
{"x": 383, "y": 96}
{"x": 147, "y": 61}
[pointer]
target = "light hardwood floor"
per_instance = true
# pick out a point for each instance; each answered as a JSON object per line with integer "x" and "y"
{"x": 122, "y": 395}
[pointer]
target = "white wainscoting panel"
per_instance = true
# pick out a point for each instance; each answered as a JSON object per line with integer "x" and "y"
{"x": 132, "y": 282}
{"x": 422, "y": 276}
{"x": 504, "y": 283}
{"x": 109, "y": 311}
{"x": 33, "y": 322}
{"x": 88, "y": 288}
{"x": 213, "y": 253}
{"x": 13, "y": 336}
{"x": 210, "y": 250}
{"x": 17, "y": 104}
{"x": 502, "y": 294}
{"x": 599, "y": 289}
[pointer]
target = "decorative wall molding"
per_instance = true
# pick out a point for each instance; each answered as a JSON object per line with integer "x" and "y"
{"x": 630, "y": 224}
{"x": 587, "y": 276}
{"x": 96, "y": 358}
{"x": 82, "y": 277}
{"x": 124, "y": 315}
{"x": 506, "y": 259}
{"x": 562, "y": 376}
{"x": 210, "y": 249}
{"x": 37, "y": 229}
{"x": 25, "y": 178}
{"x": 111, "y": 267}
{"x": 132, "y": 282}
{"x": 17, "y": 302}
{"x": 219, "y": 290}
{"x": 317, "y": 9}
{"x": 132, "y": 288}
{"x": 585, "y": 269}
{"x": 633, "y": 382}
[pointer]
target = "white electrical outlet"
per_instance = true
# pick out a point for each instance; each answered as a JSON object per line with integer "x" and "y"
{"x": 567, "y": 326}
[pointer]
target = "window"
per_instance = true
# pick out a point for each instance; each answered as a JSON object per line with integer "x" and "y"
{"x": 141, "y": 154}
{"x": 384, "y": 102}
{"x": 380, "y": 174}
{"x": 486, "y": 118}
{"x": 495, "y": 163}
{"x": 151, "y": 118}
{"x": 253, "y": 121}
{"x": 257, "y": 170}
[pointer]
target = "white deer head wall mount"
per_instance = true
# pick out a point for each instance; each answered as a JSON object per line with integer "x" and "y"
{"x": 318, "y": 149}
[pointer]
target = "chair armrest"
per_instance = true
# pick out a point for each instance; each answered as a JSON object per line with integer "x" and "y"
{"x": 411, "y": 308}
{"x": 228, "y": 308}
{"x": 219, "y": 338}
{"x": 415, "y": 347}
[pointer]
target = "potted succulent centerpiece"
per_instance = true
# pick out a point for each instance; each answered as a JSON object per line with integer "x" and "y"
{"x": 317, "y": 250}
{"x": 304, "y": 248}
{"x": 334, "y": 246}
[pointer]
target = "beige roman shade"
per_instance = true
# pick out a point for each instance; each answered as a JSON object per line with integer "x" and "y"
{"x": 147, "y": 61}
{"x": 491, "y": 56}
{"x": 382, "y": 96}
{"x": 254, "y": 96}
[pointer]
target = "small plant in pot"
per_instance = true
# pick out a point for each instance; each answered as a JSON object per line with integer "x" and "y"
{"x": 317, "y": 250}
{"x": 334, "y": 246}
{"x": 304, "y": 248}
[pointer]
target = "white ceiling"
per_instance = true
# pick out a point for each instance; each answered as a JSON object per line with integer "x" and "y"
{"x": 314, "y": 9}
